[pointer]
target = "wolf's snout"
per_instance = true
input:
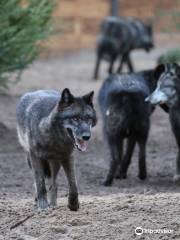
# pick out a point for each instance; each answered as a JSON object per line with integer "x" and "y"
{"x": 157, "y": 97}
{"x": 147, "y": 99}
{"x": 86, "y": 137}
{"x": 152, "y": 99}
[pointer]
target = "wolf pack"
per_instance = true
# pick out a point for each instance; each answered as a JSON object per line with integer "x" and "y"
{"x": 51, "y": 124}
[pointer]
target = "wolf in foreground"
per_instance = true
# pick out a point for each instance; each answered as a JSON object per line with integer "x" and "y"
{"x": 126, "y": 115}
{"x": 49, "y": 126}
{"x": 168, "y": 92}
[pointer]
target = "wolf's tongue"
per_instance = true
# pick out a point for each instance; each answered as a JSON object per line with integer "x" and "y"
{"x": 82, "y": 145}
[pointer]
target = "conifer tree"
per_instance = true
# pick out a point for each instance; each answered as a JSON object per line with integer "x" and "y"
{"x": 23, "y": 24}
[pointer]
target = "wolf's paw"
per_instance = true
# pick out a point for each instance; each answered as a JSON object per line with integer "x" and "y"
{"x": 73, "y": 206}
{"x": 52, "y": 205}
{"x": 107, "y": 183}
{"x": 42, "y": 204}
{"x": 52, "y": 202}
{"x": 121, "y": 175}
{"x": 142, "y": 176}
{"x": 176, "y": 178}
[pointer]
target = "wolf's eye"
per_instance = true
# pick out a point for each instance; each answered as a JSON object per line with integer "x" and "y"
{"x": 89, "y": 121}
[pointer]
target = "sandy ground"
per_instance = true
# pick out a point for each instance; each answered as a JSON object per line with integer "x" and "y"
{"x": 105, "y": 212}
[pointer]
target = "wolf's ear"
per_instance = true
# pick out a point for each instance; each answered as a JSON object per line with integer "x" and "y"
{"x": 66, "y": 98}
{"x": 88, "y": 98}
{"x": 158, "y": 71}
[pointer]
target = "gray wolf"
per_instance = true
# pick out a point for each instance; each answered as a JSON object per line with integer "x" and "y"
{"x": 168, "y": 92}
{"x": 49, "y": 126}
{"x": 118, "y": 37}
{"x": 126, "y": 115}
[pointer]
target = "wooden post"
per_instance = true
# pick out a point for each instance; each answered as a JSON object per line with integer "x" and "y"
{"x": 114, "y": 7}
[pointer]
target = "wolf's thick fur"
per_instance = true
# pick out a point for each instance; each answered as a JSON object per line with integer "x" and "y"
{"x": 49, "y": 125}
{"x": 126, "y": 115}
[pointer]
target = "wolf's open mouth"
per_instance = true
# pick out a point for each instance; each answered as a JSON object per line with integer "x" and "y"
{"x": 80, "y": 144}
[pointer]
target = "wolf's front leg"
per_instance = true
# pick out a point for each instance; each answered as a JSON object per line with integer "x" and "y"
{"x": 52, "y": 191}
{"x": 51, "y": 182}
{"x": 73, "y": 202}
{"x": 127, "y": 158}
{"x": 41, "y": 196}
{"x": 176, "y": 130}
{"x": 96, "y": 71}
{"x": 177, "y": 175}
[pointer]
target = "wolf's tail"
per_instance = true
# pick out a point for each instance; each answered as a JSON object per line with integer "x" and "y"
{"x": 134, "y": 108}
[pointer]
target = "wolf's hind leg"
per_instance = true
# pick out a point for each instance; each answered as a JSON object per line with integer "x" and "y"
{"x": 127, "y": 158}
{"x": 73, "y": 202}
{"x": 122, "y": 59}
{"x": 41, "y": 196}
{"x": 116, "y": 152}
{"x": 51, "y": 183}
{"x": 142, "y": 159}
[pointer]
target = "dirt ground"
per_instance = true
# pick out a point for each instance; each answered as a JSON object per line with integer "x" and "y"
{"x": 105, "y": 212}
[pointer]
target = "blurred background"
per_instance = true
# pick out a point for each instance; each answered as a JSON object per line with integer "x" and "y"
{"x": 72, "y": 26}
{"x": 81, "y": 20}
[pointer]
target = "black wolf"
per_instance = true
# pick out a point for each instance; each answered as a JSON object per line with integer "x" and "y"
{"x": 126, "y": 115}
{"x": 168, "y": 92}
{"x": 49, "y": 125}
{"x": 118, "y": 37}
